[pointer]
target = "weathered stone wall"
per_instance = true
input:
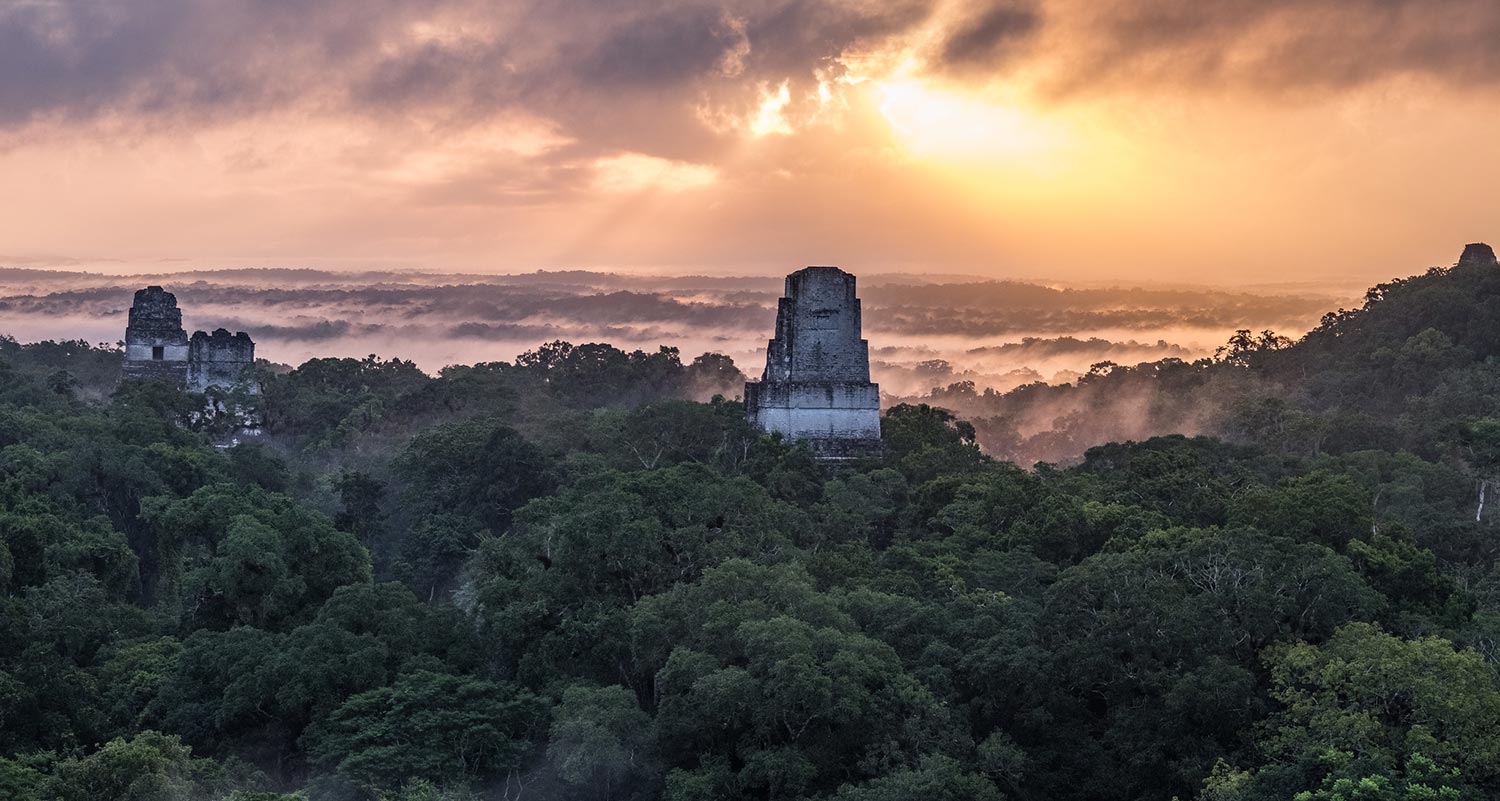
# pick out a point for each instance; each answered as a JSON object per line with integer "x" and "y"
{"x": 816, "y": 386}
{"x": 818, "y": 410}
{"x": 220, "y": 359}
{"x": 155, "y": 344}
{"x": 818, "y": 330}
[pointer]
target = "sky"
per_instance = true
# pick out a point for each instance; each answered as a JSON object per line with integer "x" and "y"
{"x": 1286, "y": 142}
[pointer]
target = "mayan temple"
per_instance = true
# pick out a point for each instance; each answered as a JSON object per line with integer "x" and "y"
{"x": 1478, "y": 254}
{"x": 816, "y": 387}
{"x": 157, "y": 347}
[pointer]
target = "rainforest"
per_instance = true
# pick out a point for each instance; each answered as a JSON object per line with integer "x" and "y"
{"x": 563, "y": 577}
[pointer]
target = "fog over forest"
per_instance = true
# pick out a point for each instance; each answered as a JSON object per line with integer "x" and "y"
{"x": 924, "y": 332}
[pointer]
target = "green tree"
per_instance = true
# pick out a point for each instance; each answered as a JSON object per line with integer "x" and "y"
{"x": 938, "y": 778}
{"x": 754, "y": 663}
{"x": 598, "y": 740}
{"x": 475, "y": 468}
{"x": 148, "y": 767}
{"x": 925, "y": 441}
{"x": 443, "y": 728}
{"x": 1368, "y": 715}
{"x": 257, "y": 557}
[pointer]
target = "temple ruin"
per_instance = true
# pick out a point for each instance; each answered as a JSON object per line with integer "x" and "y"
{"x": 816, "y": 387}
{"x": 219, "y": 359}
{"x": 1478, "y": 254}
{"x": 157, "y": 347}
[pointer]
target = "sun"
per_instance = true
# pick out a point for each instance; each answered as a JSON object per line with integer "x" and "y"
{"x": 937, "y": 123}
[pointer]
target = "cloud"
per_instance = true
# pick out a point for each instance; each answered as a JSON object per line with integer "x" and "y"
{"x": 986, "y": 38}
{"x": 668, "y": 47}
{"x": 604, "y": 81}
{"x": 1272, "y": 44}
{"x": 477, "y": 135}
{"x": 610, "y": 71}
{"x": 636, "y": 172}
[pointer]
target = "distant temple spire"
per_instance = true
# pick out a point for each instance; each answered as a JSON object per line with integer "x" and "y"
{"x": 1478, "y": 253}
{"x": 816, "y": 386}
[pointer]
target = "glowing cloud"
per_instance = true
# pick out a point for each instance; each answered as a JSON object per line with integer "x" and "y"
{"x": 636, "y": 172}
{"x": 942, "y": 124}
{"x": 771, "y": 119}
{"x": 1085, "y": 138}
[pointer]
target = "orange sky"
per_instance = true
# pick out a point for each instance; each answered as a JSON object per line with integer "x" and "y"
{"x": 1244, "y": 141}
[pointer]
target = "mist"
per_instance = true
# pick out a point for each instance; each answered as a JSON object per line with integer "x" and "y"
{"x": 924, "y": 332}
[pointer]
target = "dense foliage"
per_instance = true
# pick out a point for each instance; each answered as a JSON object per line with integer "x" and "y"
{"x": 563, "y": 578}
{"x": 1415, "y": 368}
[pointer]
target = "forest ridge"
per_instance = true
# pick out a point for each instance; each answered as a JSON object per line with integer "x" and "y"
{"x": 561, "y": 578}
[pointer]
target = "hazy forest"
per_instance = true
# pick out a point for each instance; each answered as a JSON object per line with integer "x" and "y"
{"x": 562, "y": 578}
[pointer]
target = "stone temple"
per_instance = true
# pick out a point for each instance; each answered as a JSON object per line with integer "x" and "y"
{"x": 1479, "y": 254}
{"x": 817, "y": 387}
{"x": 157, "y": 347}
{"x": 219, "y": 359}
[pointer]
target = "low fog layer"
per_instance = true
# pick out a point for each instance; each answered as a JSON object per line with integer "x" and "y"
{"x": 924, "y": 332}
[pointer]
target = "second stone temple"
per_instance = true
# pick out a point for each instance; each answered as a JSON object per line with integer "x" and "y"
{"x": 816, "y": 387}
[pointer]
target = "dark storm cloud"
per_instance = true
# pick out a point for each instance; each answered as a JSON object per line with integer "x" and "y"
{"x": 474, "y": 70}
{"x": 986, "y": 39}
{"x": 1312, "y": 44}
{"x": 151, "y": 57}
{"x": 1097, "y": 45}
{"x": 611, "y": 74}
{"x": 637, "y": 75}
{"x": 669, "y": 47}
{"x": 796, "y": 37}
